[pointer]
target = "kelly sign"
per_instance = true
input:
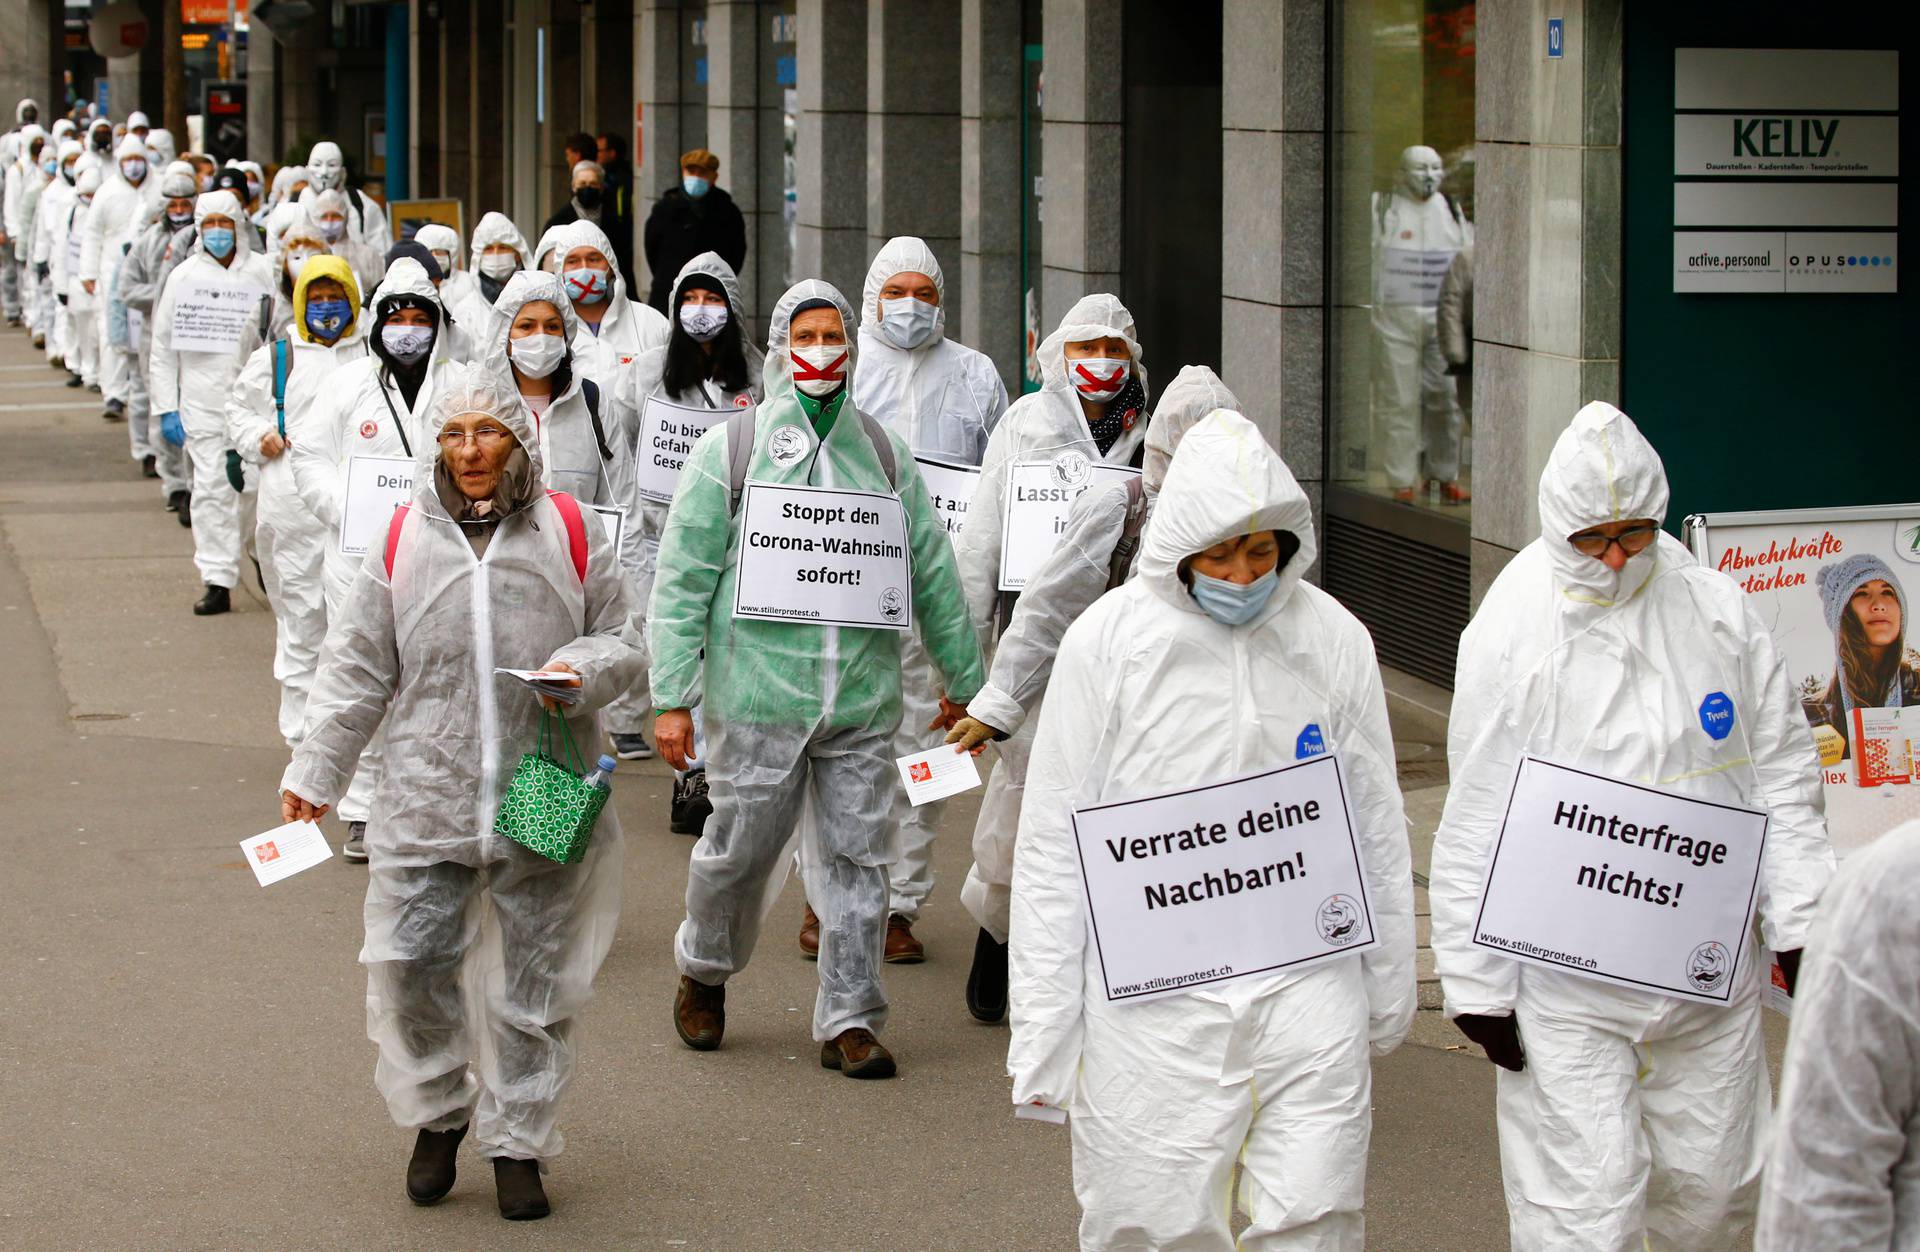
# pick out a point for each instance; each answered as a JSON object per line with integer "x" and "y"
{"x": 1231, "y": 880}
{"x": 1622, "y": 883}
{"x": 834, "y": 558}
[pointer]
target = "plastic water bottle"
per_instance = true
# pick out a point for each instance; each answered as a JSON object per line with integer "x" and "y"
{"x": 602, "y": 777}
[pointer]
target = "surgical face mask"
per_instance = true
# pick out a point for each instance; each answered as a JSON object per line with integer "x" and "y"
{"x": 695, "y": 186}
{"x": 51, "y": 167}
{"x": 328, "y": 318}
{"x": 589, "y": 197}
{"x": 134, "y": 168}
{"x": 536, "y": 356}
{"x": 180, "y": 221}
{"x": 407, "y": 344}
{"x": 218, "y": 241}
{"x": 296, "y": 258}
{"x": 587, "y": 286}
{"x": 820, "y": 371}
{"x": 906, "y": 323}
{"x": 253, "y": 189}
{"x": 703, "y": 322}
{"x": 333, "y": 228}
{"x": 1098, "y": 378}
{"x": 499, "y": 264}
{"x": 66, "y": 172}
{"x": 206, "y": 183}
{"x": 1230, "y": 603}
{"x": 444, "y": 261}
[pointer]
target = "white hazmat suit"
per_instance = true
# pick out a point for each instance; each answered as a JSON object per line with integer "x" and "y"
{"x": 473, "y": 305}
{"x": 1638, "y": 1116}
{"x": 1150, "y": 695}
{"x": 604, "y": 351}
{"x": 480, "y": 955}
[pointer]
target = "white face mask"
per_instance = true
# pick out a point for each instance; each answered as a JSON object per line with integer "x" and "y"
{"x": 333, "y": 228}
{"x": 134, "y": 169}
{"x": 407, "y": 343}
{"x": 703, "y": 322}
{"x": 499, "y": 264}
{"x": 445, "y": 261}
{"x": 1098, "y": 378}
{"x": 820, "y": 371}
{"x": 206, "y": 183}
{"x": 536, "y": 356}
{"x": 295, "y": 259}
{"x": 906, "y": 323}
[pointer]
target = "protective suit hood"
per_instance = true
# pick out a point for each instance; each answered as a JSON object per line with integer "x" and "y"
{"x": 711, "y": 265}
{"x": 1225, "y": 482}
{"x": 901, "y": 255}
{"x": 283, "y": 180}
{"x": 1096, "y": 316}
{"x": 549, "y": 242}
{"x": 1194, "y": 392}
{"x": 27, "y": 134}
{"x": 407, "y": 277}
{"x": 584, "y": 234}
{"x": 1602, "y": 469}
{"x": 523, "y": 289}
{"x": 160, "y": 143}
{"x": 777, "y": 373}
{"x": 178, "y": 181}
{"x": 227, "y": 204}
{"x": 339, "y": 271}
{"x": 499, "y": 228}
{"x": 474, "y": 388}
{"x": 131, "y": 146}
{"x": 20, "y": 110}
{"x": 88, "y": 182}
{"x": 437, "y": 238}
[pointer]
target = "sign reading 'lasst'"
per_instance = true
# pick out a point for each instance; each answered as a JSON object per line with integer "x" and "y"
{"x": 1039, "y": 496}
{"x": 832, "y": 558}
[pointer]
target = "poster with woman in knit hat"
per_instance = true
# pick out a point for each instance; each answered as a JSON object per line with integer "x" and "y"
{"x": 1837, "y": 588}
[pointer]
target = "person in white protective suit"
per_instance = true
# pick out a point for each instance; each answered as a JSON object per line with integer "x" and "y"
{"x": 943, "y": 399}
{"x": 614, "y": 329}
{"x": 1153, "y": 692}
{"x": 192, "y": 385}
{"x": 1626, "y": 1116}
{"x": 158, "y": 247}
{"x": 1842, "y": 1171}
{"x": 128, "y": 193}
{"x": 267, "y": 412}
{"x": 1417, "y": 229}
{"x": 458, "y": 287}
{"x": 366, "y": 220}
{"x": 20, "y": 183}
{"x": 795, "y": 710}
{"x": 546, "y": 253}
{"x": 708, "y": 363}
{"x": 1096, "y": 551}
{"x": 293, "y": 237}
{"x": 83, "y": 351}
{"x": 498, "y": 251}
{"x": 376, "y": 406}
{"x": 480, "y": 954}
{"x": 332, "y": 213}
{"x": 50, "y": 248}
{"x": 1092, "y": 406}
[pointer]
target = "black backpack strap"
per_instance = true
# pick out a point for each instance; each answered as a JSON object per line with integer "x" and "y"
{"x": 883, "y": 448}
{"x": 591, "y": 390}
{"x": 1123, "y": 551}
{"x": 359, "y": 211}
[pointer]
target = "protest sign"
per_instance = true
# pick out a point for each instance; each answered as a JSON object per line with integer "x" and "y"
{"x": 211, "y": 313}
{"x": 668, "y": 432}
{"x": 1039, "y": 496}
{"x": 1622, "y": 883}
{"x": 1230, "y": 880}
{"x": 376, "y": 486}
{"x": 613, "y": 520}
{"x": 834, "y": 558}
{"x": 950, "y": 487}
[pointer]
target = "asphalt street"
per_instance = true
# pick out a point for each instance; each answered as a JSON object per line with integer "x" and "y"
{"x": 183, "y": 1061}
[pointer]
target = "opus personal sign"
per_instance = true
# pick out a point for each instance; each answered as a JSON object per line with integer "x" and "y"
{"x": 1786, "y": 167}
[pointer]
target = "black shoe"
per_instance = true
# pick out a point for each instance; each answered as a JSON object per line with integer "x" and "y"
{"x": 987, "y": 980}
{"x": 181, "y": 502}
{"x": 430, "y": 1172}
{"x": 94, "y": 388}
{"x": 354, "y": 850}
{"x": 149, "y": 466}
{"x": 692, "y": 806}
{"x": 522, "y": 1198}
{"x": 631, "y": 747}
{"x": 216, "y": 601}
{"x": 74, "y": 380}
{"x": 114, "y": 411}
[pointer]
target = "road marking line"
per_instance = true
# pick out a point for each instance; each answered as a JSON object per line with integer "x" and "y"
{"x": 48, "y": 408}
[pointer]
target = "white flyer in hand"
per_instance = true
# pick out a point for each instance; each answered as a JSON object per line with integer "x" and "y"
{"x": 1231, "y": 880}
{"x": 376, "y": 486}
{"x": 1040, "y": 1113}
{"x": 1622, "y": 883}
{"x": 830, "y": 558}
{"x": 946, "y": 770}
{"x": 211, "y": 313}
{"x": 668, "y": 432}
{"x": 1034, "y": 511}
{"x": 557, "y": 684}
{"x": 284, "y": 852}
{"x": 950, "y": 487}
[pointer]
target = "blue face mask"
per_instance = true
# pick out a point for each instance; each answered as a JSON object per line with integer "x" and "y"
{"x": 218, "y": 241}
{"x": 587, "y": 286}
{"x": 327, "y": 319}
{"x": 695, "y": 187}
{"x": 1229, "y": 603}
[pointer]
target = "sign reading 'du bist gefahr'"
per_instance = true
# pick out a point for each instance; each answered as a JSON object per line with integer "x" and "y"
{"x": 1786, "y": 167}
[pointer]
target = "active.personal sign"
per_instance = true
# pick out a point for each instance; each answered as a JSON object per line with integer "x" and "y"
{"x": 832, "y": 558}
{"x": 376, "y": 486}
{"x": 668, "y": 432}
{"x": 1039, "y": 495}
{"x": 1623, "y": 883}
{"x": 1231, "y": 880}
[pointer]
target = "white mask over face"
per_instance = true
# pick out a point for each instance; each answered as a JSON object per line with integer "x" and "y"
{"x": 499, "y": 264}
{"x": 326, "y": 167}
{"x": 820, "y": 371}
{"x": 1421, "y": 171}
{"x": 537, "y": 355}
{"x": 1098, "y": 378}
{"x": 906, "y": 323}
{"x": 703, "y": 322}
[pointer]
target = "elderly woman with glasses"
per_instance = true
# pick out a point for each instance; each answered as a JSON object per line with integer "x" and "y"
{"x": 482, "y": 569}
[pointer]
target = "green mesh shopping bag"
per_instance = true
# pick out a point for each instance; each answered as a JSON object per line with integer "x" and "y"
{"x": 549, "y": 808}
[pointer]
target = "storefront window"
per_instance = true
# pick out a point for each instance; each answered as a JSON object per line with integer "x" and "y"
{"x": 1400, "y": 393}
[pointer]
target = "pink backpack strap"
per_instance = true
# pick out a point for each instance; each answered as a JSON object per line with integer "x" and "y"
{"x": 576, "y": 530}
{"x": 393, "y": 536}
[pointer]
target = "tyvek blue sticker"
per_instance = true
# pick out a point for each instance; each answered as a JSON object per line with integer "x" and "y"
{"x": 1716, "y": 715}
{"x": 1310, "y": 743}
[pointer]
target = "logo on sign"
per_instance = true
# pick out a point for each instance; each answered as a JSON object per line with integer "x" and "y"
{"x": 1716, "y": 716}
{"x": 369, "y": 429}
{"x": 787, "y": 446}
{"x": 1906, "y": 539}
{"x": 1708, "y": 967}
{"x": 893, "y": 604}
{"x": 268, "y": 851}
{"x": 920, "y": 772}
{"x": 1310, "y": 743}
{"x": 1071, "y": 468}
{"x": 1339, "y": 920}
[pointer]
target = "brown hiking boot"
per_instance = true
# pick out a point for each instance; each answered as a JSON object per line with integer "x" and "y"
{"x": 810, "y": 935}
{"x": 902, "y": 947}
{"x": 700, "y": 1014}
{"x": 857, "y": 1054}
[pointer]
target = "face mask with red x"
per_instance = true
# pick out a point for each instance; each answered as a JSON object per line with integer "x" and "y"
{"x": 819, "y": 371}
{"x": 1099, "y": 378}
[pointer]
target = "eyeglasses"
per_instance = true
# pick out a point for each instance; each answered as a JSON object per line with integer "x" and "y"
{"x": 486, "y": 437}
{"x": 1632, "y": 541}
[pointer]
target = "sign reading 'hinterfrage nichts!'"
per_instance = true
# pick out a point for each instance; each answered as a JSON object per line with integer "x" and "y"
{"x": 1622, "y": 882}
{"x": 1786, "y": 167}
